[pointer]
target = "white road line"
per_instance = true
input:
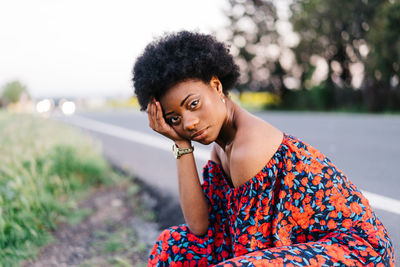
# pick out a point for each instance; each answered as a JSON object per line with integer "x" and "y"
{"x": 132, "y": 135}
{"x": 382, "y": 202}
{"x": 377, "y": 201}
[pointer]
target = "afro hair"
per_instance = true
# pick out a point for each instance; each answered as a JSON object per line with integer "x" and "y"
{"x": 176, "y": 57}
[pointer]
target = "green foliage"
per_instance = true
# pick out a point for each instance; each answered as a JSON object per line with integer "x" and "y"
{"x": 384, "y": 38}
{"x": 251, "y": 34}
{"x": 12, "y": 91}
{"x": 355, "y": 40}
{"x": 44, "y": 165}
{"x": 121, "y": 240}
{"x": 319, "y": 98}
{"x": 342, "y": 36}
{"x": 383, "y": 61}
{"x": 120, "y": 262}
{"x": 78, "y": 215}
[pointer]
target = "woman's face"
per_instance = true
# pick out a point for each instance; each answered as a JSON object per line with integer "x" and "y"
{"x": 195, "y": 109}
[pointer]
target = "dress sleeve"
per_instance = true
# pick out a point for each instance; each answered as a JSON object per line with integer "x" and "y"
{"x": 214, "y": 184}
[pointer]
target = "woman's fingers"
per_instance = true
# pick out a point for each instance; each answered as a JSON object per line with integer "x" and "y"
{"x": 157, "y": 121}
{"x": 160, "y": 116}
{"x": 150, "y": 113}
{"x": 156, "y": 118}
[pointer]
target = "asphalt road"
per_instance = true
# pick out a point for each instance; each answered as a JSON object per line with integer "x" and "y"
{"x": 365, "y": 147}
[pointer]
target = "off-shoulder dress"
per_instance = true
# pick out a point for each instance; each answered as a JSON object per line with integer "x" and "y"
{"x": 299, "y": 210}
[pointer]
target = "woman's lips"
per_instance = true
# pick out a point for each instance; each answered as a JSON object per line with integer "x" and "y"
{"x": 199, "y": 135}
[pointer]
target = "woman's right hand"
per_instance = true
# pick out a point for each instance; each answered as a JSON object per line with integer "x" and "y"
{"x": 158, "y": 123}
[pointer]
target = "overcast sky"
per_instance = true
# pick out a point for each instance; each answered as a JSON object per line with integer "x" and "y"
{"x": 86, "y": 48}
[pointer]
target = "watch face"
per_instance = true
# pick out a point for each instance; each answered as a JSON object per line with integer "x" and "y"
{"x": 178, "y": 152}
{"x": 175, "y": 151}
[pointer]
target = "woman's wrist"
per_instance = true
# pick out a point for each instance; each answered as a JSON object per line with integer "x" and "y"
{"x": 183, "y": 143}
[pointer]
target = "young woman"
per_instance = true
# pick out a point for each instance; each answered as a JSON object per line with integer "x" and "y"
{"x": 266, "y": 197}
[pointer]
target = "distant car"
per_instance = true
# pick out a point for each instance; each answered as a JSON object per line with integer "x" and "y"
{"x": 68, "y": 107}
{"x": 44, "y": 106}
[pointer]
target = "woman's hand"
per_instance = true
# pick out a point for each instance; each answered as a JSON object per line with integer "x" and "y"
{"x": 158, "y": 123}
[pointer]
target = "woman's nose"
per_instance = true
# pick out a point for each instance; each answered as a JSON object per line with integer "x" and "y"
{"x": 190, "y": 122}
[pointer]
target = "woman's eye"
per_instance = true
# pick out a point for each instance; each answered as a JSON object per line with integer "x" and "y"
{"x": 194, "y": 104}
{"x": 173, "y": 120}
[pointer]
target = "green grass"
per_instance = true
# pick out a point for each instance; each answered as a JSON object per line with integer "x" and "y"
{"x": 119, "y": 241}
{"x": 46, "y": 167}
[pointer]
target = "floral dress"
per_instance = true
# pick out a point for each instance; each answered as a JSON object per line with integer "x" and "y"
{"x": 299, "y": 210}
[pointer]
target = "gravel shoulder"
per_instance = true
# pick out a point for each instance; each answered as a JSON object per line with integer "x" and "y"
{"x": 113, "y": 226}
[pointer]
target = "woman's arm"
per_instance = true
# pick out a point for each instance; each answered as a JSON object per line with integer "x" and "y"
{"x": 193, "y": 202}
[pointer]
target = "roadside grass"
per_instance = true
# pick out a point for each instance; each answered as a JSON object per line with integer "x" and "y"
{"x": 46, "y": 168}
{"x": 119, "y": 241}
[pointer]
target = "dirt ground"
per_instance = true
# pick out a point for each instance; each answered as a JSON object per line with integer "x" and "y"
{"x": 114, "y": 226}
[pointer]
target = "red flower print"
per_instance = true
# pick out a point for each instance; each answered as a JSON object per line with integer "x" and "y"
{"x": 203, "y": 262}
{"x": 191, "y": 237}
{"x": 313, "y": 262}
{"x": 316, "y": 167}
{"x": 304, "y": 181}
{"x": 252, "y": 229}
{"x": 319, "y": 194}
{"x": 164, "y": 246}
{"x": 333, "y": 214}
{"x": 165, "y": 235}
{"x": 289, "y": 179}
{"x": 355, "y": 207}
{"x": 299, "y": 166}
{"x": 253, "y": 243}
{"x": 329, "y": 183}
{"x": 331, "y": 224}
{"x": 316, "y": 180}
{"x": 347, "y": 223}
{"x": 176, "y": 236}
{"x": 321, "y": 259}
{"x": 289, "y": 165}
{"x": 243, "y": 239}
{"x": 219, "y": 239}
{"x": 240, "y": 250}
{"x": 175, "y": 249}
{"x": 297, "y": 195}
{"x": 224, "y": 254}
{"x": 307, "y": 199}
{"x": 175, "y": 264}
{"x": 265, "y": 229}
{"x": 328, "y": 192}
{"x": 164, "y": 256}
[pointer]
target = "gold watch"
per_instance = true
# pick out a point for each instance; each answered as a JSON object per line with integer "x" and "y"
{"x": 178, "y": 152}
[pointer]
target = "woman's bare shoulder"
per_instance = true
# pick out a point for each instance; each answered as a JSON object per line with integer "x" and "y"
{"x": 255, "y": 144}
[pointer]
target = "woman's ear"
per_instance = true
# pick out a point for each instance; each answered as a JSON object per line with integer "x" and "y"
{"x": 217, "y": 85}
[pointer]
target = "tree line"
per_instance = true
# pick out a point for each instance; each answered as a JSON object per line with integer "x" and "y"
{"x": 318, "y": 55}
{"x": 12, "y": 92}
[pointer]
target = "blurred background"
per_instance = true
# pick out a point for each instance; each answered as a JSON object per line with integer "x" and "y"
{"x": 326, "y": 71}
{"x": 293, "y": 55}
